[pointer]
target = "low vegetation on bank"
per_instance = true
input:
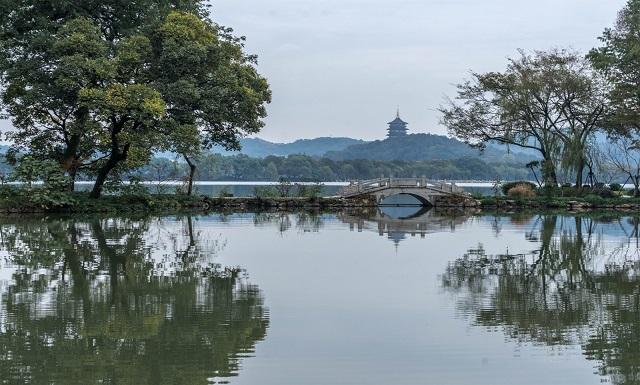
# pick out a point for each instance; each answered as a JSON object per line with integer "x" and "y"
{"x": 523, "y": 194}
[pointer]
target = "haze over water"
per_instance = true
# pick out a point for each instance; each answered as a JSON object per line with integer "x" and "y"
{"x": 402, "y": 296}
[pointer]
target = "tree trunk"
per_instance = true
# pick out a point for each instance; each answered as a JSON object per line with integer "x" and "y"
{"x": 72, "y": 179}
{"x": 69, "y": 161}
{"x": 116, "y": 157}
{"x": 579, "y": 172}
{"x": 549, "y": 173}
{"x": 192, "y": 173}
{"x": 535, "y": 175}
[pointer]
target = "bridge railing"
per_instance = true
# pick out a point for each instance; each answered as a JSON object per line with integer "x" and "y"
{"x": 363, "y": 187}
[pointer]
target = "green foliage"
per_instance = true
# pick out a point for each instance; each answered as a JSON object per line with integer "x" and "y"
{"x": 54, "y": 191}
{"x": 594, "y": 199}
{"x": 284, "y": 188}
{"x": 265, "y": 192}
{"x": 99, "y": 86}
{"x": 615, "y": 187}
{"x": 301, "y": 168}
{"x": 308, "y": 191}
{"x": 133, "y": 189}
{"x": 225, "y": 193}
{"x": 551, "y": 102}
{"x": 619, "y": 60}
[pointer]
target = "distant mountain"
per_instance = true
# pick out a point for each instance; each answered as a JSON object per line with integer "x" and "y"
{"x": 260, "y": 148}
{"x": 425, "y": 147}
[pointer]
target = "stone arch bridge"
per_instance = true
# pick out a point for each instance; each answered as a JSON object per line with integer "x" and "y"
{"x": 425, "y": 191}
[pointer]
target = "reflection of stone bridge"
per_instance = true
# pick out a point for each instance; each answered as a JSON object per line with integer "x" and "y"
{"x": 398, "y": 222}
{"x": 420, "y": 188}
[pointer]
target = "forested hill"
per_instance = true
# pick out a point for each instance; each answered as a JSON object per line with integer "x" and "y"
{"x": 410, "y": 148}
{"x": 424, "y": 147}
{"x": 259, "y": 148}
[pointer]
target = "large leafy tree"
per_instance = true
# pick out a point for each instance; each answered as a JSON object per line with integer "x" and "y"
{"x": 51, "y": 50}
{"x": 619, "y": 60}
{"x": 214, "y": 94}
{"x": 102, "y": 86}
{"x": 550, "y": 102}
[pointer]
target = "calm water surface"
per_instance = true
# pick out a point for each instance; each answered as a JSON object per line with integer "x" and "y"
{"x": 402, "y": 296}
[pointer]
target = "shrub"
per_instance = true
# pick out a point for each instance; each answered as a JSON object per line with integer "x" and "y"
{"x": 594, "y": 199}
{"x": 54, "y": 191}
{"x": 284, "y": 188}
{"x": 509, "y": 185}
{"x": 225, "y": 193}
{"x": 520, "y": 191}
{"x": 615, "y": 187}
{"x": 133, "y": 191}
{"x": 265, "y": 192}
{"x": 630, "y": 192}
{"x": 309, "y": 191}
{"x": 570, "y": 191}
{"x": 603, "y": 192}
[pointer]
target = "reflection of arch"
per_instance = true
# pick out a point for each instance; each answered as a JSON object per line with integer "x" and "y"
{"x": 421, "y": 200}
{"x": 398, "y": 222}
{"x": 404, "y": 212}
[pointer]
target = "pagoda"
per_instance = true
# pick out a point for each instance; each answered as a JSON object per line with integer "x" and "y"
{"x": 397, "y": 127}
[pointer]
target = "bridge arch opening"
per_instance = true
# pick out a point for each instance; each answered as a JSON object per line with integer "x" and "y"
{"x": 404, "y": 199}
{"x": 403, "y": 212}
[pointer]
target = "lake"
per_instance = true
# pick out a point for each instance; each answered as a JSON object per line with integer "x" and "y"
{"x": 398, "y": 296}
{"x": 248, "y": 189}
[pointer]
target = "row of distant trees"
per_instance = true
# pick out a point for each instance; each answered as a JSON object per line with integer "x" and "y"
{"x": 557, "y": 102}
{"x": 98, "y": 86}
{"x": 312, "y": 169}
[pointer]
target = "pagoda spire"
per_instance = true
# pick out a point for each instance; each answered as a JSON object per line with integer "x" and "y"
{"x": 398, "y": 112}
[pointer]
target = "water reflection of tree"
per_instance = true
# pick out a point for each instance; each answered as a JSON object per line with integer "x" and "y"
{"x": 575, "y": 289}
{"x": 88, "y": 305}
{"x": 303, "y": 221}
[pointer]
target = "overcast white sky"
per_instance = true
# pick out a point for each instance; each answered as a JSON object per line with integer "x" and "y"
{"x": 340, "y": 67}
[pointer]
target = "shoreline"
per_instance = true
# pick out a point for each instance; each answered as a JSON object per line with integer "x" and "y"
{"x": 171, "y": 203}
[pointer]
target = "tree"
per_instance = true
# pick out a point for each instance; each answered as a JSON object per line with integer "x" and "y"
{"x": 51, "y": 50}
{"x": 532, "y": 167}
{"x": 545, "y": 101}
{"x": 619, "y": 61}
{"x": 583, "y": 105}
{"x": 624, "y": 154}
{"x": 106, "y": 85}
{"x": 213, "y": 92}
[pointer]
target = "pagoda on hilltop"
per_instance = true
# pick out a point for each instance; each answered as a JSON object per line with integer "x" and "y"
{"x": 397, "y": 127}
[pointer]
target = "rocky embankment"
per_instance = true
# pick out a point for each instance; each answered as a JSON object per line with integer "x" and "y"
{"x": 568, "y": 205}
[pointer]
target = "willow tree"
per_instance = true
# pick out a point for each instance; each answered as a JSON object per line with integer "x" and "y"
{"x": 542, "y": 101}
